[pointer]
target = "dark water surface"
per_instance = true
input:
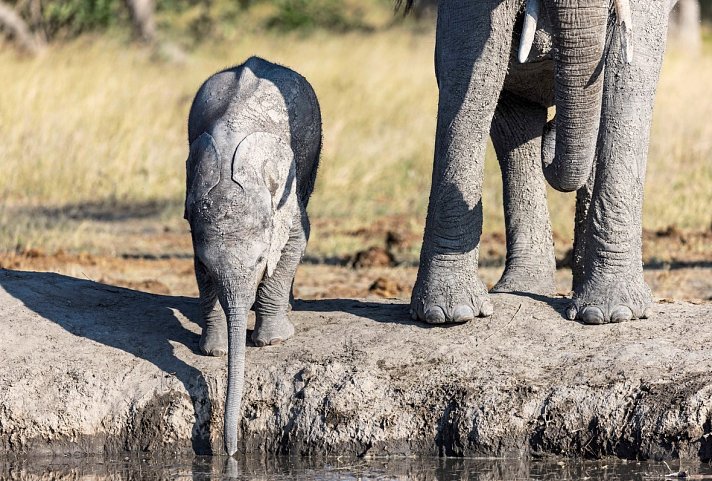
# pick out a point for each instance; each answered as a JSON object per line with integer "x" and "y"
{"x": 328, "y": 469}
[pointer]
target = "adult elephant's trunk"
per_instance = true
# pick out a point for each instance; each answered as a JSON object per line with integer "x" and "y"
{"x": 237, "y": 333}
{"x": 579, "y": 42}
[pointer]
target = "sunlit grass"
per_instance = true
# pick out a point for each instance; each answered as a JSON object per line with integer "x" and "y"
{"x": 679, "y": 182}
{"x": 96, "y": 121}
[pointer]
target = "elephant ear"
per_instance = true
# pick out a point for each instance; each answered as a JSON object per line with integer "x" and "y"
{"x": 202, "y": 171}
{"x": 269, "y": 160}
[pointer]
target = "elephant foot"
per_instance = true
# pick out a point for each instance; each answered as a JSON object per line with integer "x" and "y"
{"x": 213, "y": 340}
{"x": 449, "y": 293}
{"x": 611, "y": 300}
{"x": 270, "y": 331}
{"x": 519, "y": 279}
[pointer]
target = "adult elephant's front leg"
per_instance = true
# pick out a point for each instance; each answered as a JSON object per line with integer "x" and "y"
{"x": 613, "y": 288}
{"x": 472, "y": 51}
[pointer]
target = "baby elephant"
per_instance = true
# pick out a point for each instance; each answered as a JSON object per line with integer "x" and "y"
{"x": 255, "y": 137}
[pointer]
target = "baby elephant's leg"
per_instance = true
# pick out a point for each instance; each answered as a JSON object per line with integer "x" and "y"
{"x": 272, "y": 304}
{"x": 213, "y": 340}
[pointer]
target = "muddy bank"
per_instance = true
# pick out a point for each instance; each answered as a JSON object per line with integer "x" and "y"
{"x": 92, "y": 368}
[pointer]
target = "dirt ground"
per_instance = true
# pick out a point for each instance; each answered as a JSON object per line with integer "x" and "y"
{"x": 88, "y": 368}
{"x": 678, "y": 264}
{"x": 86, "y": 319}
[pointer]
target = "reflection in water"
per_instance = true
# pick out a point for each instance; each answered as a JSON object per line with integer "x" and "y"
{"x": 203, "y": 468}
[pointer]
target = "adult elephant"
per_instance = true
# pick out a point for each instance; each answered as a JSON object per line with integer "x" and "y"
{"x": 599, "y": 65}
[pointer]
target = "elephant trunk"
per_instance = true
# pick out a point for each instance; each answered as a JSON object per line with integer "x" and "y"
{"x": 579, "y": 42}
{"x": 237, "y": 333}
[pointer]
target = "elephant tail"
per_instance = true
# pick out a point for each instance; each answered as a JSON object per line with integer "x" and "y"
{"x": 407, "y": 5}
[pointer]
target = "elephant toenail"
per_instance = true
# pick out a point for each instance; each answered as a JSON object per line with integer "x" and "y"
{"x": 592, "y": 315}
{"x": 648, "y": 312}
{"x": 571, "y": 313}
{"x": 462, "y": 313}
{"x": 621, "y": 314}
{"x": 487, "y": 309}
{"x": 435, "y": 315}
{"x": 413, "y": 315}
{"x": 213, "y": 352}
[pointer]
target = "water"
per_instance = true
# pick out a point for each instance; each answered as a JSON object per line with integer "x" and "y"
{"x": 332, "y": 469}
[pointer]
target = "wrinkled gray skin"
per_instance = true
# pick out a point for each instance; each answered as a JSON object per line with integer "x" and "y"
{"x": 255, "y": 136}
{"x": 604, "y": 111}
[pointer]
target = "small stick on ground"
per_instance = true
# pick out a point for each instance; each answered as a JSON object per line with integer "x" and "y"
{"x": 506, "y": 325}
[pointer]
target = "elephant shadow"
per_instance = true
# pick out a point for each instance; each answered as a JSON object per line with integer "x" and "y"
{"x": 378, "y": 311}
{"x": 399, "y": 312}
{"x": 139, "y": 323}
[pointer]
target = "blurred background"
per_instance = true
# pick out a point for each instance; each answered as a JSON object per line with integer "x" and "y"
{"x": 93, "y": 111}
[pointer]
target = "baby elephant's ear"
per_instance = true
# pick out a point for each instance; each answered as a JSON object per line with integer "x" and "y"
{"x": 202, "y": 170}
{"x": 265, "y": 158}
{"x": 280, "y": 174}
{"x": 270, "y": 161}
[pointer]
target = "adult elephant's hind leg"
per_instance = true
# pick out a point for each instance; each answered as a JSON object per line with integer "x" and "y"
{"x": 583, "y": 203}
{"x": 473, "y": 44}
{"x": 516, "y": 134}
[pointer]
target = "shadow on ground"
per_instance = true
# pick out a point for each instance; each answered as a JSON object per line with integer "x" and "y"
{"x": 136, "y": 322}
{"x": 105, "y": 210}
{"x": 399, "y": 312}
{"x": 396, "y": 313}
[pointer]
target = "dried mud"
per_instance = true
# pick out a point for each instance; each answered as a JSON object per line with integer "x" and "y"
{"x": 93, "y": 368}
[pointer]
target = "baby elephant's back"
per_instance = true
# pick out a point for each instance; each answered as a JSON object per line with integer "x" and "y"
{"x": 259, "y": 96}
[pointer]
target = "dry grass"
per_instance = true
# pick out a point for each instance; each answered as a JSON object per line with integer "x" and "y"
{"x": 96, "y": 122}
{"x": 679, "y": 182}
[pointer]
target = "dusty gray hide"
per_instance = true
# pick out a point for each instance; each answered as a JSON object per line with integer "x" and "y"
{"x": 255, "y": 137}
{"x": 500, "y": 65}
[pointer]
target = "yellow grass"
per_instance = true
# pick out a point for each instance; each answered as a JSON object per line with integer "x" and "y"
{"x": 97, "y": 121}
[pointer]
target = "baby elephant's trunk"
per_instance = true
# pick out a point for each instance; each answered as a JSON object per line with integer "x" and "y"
{"x": 237, "y": 333}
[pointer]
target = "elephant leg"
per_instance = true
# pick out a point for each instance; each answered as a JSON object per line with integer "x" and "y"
{"x": 272, "y": 326}
{"x": 516, "y": 134}
{"x": 213, "y": 340}
{"x": 473, "y": 45}
{"x": 612, "y": 288}
{"x": 583, "y": 202}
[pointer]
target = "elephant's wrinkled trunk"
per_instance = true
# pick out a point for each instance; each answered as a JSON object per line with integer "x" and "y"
{"x": 237, "y": 332}
{"x": 579, "y": 41}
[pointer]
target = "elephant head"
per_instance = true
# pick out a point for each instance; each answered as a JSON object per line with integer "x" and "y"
{"x": 580, "y": 28}
{"x": 240, "y": 204}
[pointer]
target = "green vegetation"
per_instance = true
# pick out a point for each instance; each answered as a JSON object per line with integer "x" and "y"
{"x": 212, "y": 18}
{"x": 200, "y": 20}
